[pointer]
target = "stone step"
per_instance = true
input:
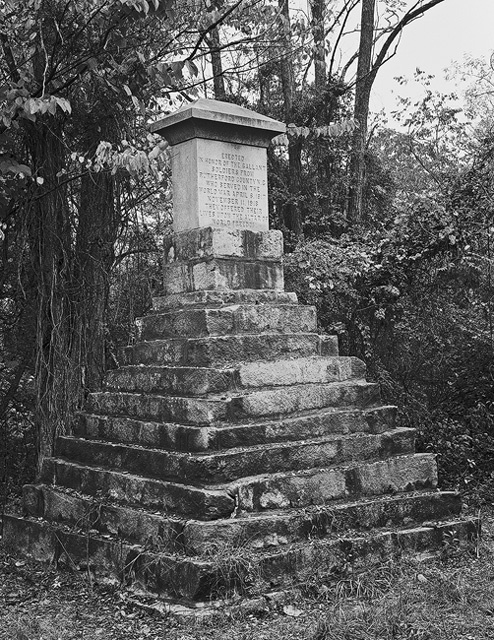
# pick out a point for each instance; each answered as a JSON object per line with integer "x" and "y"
{"x": 196, "y": 579}
{"x": 229, "y": 350}
{"x": 85, "y": 513}
{"x": 329, "y": 557}
{"x": 232, "y": 464}
{"x": 198, "y": 381}
{"x": 257, "y": 532}
{"x": 297, "y": 489}
{"x": 278, "y": 529}
{"x": 189, "y": 438}
{"x": 216, "y": 298}
{"x": 234, "y": 407}
{"x": 178, "y": 499}
{"x": 228, "y": 320}
{"x": 182, "y": 381}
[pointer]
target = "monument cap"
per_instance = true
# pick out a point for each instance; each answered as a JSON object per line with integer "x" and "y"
{"x": 217, "y": 120}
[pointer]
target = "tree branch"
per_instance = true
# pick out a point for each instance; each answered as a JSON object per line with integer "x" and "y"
{"x": 213, "y": 25}
{"x": 410, "y": 16}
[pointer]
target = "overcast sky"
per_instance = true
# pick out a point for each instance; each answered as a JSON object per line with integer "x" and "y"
{"x": 446, "y": 33}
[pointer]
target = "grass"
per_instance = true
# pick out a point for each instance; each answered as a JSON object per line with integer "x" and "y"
{"x": 437, "y": 599}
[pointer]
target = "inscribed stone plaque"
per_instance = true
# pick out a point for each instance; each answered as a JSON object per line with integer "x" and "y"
{"x": 219, "y": 184}
{"x": 232, "y": 185}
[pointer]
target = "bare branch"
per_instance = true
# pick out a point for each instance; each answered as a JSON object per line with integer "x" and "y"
{"x": 340, "y": 34}
{"x": 413, "y": 14}
{"x": 221, "y": 19}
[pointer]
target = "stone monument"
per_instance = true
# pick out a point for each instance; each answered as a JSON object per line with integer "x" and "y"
{"x": 234, "y": 451}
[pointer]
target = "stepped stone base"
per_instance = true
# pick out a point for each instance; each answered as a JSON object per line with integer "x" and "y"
{"x": 225, "y": 570}
{"x": 234, "y": 450}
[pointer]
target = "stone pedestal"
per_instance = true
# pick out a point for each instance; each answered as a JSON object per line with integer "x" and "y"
{"x": 234, "y": 450}
{"x": 209, "y": 259}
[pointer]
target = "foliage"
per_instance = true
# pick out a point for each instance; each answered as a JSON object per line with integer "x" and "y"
{"x": 465, "y": 448}
{"x": 79, "y": 80}
{"x": 412, "y": 296}
{"x": 17, "y": 458}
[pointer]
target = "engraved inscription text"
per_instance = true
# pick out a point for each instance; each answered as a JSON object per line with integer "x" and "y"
{"x": 233, "y": 189}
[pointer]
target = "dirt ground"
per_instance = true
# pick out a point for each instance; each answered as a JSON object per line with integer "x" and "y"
{"x": 451, "y": 597}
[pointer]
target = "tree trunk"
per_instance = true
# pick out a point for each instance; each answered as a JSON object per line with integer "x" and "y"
{"x": 57, "y": 375}
{"x": 361, "y": 114}
{"x": 213, "y": 42}
{"x": 292, "y": 215}
{"x": 317, "y": 26}
{"x": 320, "y": 86}
{"x": 95, "y": 256}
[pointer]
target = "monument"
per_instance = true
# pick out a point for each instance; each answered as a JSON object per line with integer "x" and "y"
{"x": 234, "y": 451}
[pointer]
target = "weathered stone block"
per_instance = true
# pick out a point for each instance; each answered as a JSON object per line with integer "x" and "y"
{"x": 138, "y": 491}
{"x": 190, "y": 438}
{"x": 304, "y": 397}
{"x": 183, "y": 381}
{"x": 227, "y": 350}
{"x": 199, "y": 381}
{"x": 181, "y": 277}
{"x": 225, "y": 466}
{"x": 231, "y": 319}
{"x": 207, "y": 242}
{"x": 304, "y": 488}
{"x": 259, "y": 532}
{"x": 216, "y": 298}
{"x": 300, "y": 371}
{"x": 135, "y": 526}
{"x": 234, "y": 407}
{"x": 140, "y": 432}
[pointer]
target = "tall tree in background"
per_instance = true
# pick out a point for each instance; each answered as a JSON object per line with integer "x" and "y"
{"x": 361, "y": 109}
{"x": 317, "y": 10}
{"x": 367, "y": 70}
{"x": 214, "y": 44}
{"x": 292, "y": 214}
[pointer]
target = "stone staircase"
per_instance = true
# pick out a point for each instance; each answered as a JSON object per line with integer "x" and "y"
{"x": 234, "y": 450}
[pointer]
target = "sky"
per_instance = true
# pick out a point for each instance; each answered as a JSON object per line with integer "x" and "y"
{"x": 448, "y": 32}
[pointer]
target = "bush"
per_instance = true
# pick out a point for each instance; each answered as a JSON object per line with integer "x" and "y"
{"x": 414, "y": 309}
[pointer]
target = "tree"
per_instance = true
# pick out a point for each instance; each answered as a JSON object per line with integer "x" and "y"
{"x": 366, "y": 74}
{"x": 79, "y": 80}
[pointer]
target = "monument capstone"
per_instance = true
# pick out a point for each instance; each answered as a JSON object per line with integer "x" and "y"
{"x": 234, "y": 451}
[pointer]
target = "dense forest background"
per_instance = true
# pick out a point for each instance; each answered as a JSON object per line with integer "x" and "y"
{"x": 388, "y": 231}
